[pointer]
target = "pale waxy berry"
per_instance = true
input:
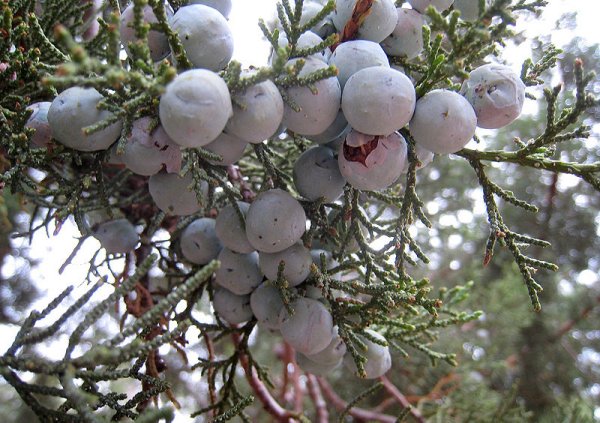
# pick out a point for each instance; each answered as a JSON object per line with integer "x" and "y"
{"x": 496, "y": 93}
{"x": 444, "y": 122}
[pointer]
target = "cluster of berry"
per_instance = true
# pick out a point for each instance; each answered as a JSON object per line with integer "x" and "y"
{"x": 354, "y": 117}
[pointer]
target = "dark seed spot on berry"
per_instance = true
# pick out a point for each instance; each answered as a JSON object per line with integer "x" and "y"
{"x": 360, "y": 154}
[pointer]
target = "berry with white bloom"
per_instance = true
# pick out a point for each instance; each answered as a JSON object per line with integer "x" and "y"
{"x": 195, "y": 107}
{"x": 205, "y": 35}
{"x": 378, "y": 24}
{"x": 117, "y": 236}
{"x": 330, "y": 262}
{"x": 372, "y": 162}
{"x": 174, "y": 194}
{"x": 39, "y": 121}
{"x": 407, "y": 38}
{"x": 379, "y": 360}
{"x": 260, "y": 115}
{"x": 229, "y": 147}
{"x": 275, "y": 221}
{"x": 199, "y": 243}
{"x": 297, "y": 261}
{"x": 337, "y": 129}
{"x": 234, "y": 309}
{"x": 310, "y": 329}
{"x": 307, "y": 40}
{"x": 352, "y": 56}
{"x": 148, "y": 150}
{"x": 310, "y": 9}
{"x": 439, "y": 5}
{"x": 223, "y": 6}
{"x": 158, "y": 43}
{"x": 266, "y": 304}
{"x": 444, "y": 122}
{"x": 316, "y": 368}
{"x": 333, "y": 353}
{"x": 231, "y": 230}
{"x": 423, "y": 155}
{"x": 317, "y": 175}
{"x": 239, "y": 273}
{"x": 378, "y": 100}
{"x": 317, "y": 109}
{"x": 72, "y": 111}
{"x": 496, "y": 93}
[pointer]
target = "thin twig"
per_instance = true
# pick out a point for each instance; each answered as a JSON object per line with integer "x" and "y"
{"x": 270, "y": 404}
{"x": 357, "y": 413}
{"x": 401, "y": 399}
{"x": 567, "y": 326}
{"x": 314, "y": 390}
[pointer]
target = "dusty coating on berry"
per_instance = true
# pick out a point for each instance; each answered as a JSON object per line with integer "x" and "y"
{"x": 424, "y": 157}
{"x": 317, "y": 175}
{"x": 496, "y": 93}
{"x": 239, "y": 273}
{"x": 444, "y": 122}
{"x": 231, "y": 230}
{"x": 72, "y": 111}
{"x": 149, "y": 150}
{"x": 223, "y": 6}
{"x": 205, "y": 35}
{"x": 371, "y": 162}
{"x": 338, "y": 128}
{"x": 195, "y": 108}
{"x": 318, "y": 109}
{"x": 266, "y": 304}
{"x": 317, "y": 368}
{"x": 199, "y": 243}
{"x": 229, "y": 147}
{"x": 352, "y": 56}
{"x": 407, "y": 38}
{"x": 333, "y": 353}
{"x": 330, "y": 262}
{"x": 379, "y": 360}
{"x": 306, "y": 40}
{"x": 378, "y": 24}
{"x": 378, "y": 101}
{"x": 117, "y": 236}
{"x": 174, "y": 195}
{"x": 297, "y": 261}
{"x": 310, "y": 329}
{"x": 235, "y": 309}
{"x": 439, "y": 5}
{"x": 39, "y": 121}
{"x": 261, "y": 114}
{"x": 275, "y": 221}
{"x": 158, "y": 43}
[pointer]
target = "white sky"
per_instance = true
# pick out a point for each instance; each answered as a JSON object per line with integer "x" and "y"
{"x": 251, "y": 49}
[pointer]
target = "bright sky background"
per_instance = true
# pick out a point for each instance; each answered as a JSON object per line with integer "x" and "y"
{"x": 251, "y": 49}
